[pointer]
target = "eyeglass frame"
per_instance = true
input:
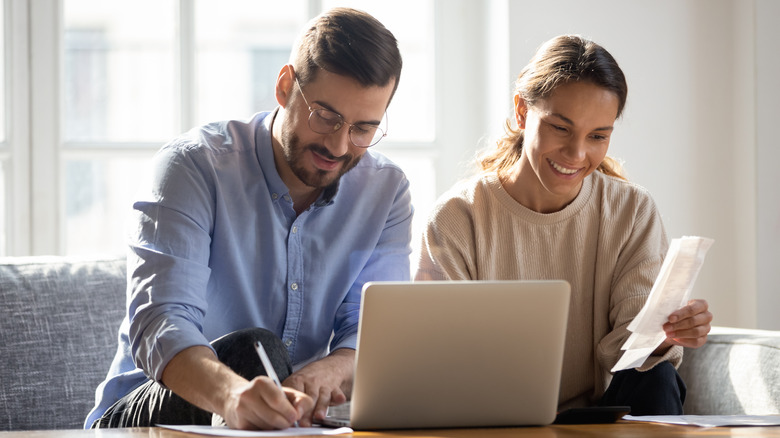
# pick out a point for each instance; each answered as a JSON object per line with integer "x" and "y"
{"x": 342, "y": 122}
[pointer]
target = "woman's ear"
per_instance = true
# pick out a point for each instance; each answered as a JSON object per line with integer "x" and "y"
{"x": 520, "y": 111}
{"x": 284, "y": 85}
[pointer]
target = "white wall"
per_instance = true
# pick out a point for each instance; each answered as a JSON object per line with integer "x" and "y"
{"x": 692, "y": 132}
{"x": 768, "y": 178}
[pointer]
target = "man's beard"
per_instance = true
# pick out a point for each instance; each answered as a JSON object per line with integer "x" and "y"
{"x": 294, "y": 155}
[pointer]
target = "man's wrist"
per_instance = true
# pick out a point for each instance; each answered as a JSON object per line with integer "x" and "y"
{"x": 196, "y": 375}
{"x": 344, "y": 360}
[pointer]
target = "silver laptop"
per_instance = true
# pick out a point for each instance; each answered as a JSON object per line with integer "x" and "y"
{"x": 458, "y": 354}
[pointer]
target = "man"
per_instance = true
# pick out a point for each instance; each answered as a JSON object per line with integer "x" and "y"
{"x": 265, "y": 231}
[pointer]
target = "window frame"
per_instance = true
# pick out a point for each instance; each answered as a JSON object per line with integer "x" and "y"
{"x": 37, "y": 152}
{"x": 17, "y": 151}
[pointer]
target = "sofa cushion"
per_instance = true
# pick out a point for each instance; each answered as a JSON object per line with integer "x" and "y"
{"x": 57, "y": 337}
{"x": 737, "y": 372}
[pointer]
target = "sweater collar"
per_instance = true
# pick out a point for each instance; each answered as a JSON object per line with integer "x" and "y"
{"x": 580, "y": 201}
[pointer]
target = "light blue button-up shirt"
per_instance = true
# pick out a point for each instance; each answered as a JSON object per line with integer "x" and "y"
{"x": 216, "y": 246}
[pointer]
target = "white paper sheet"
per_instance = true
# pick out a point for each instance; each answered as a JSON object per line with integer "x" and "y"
{"x": 227, "y": 432}
{"x": 671, "y": 290}
{"x": 710, "y": 420}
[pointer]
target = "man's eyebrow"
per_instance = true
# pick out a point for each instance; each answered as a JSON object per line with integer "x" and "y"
{"x": 570, "y": 122}
{"x": 330, "y": 108}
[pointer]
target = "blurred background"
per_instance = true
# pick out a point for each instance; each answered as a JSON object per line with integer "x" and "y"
{"x": 92, "y": 88}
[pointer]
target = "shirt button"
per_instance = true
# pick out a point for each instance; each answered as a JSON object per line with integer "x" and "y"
{"x": 274, "y": 196}
{"x": 294, "y": 286}
{"x": 295, "y": 230}
{"x": 288, "y": 342}
{"x": 287, "y": 198}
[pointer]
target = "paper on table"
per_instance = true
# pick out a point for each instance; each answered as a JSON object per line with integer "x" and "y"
{"x": 671, "y": 290}
{"x": 227, "y": 432}
{"x": 710, "y": 420}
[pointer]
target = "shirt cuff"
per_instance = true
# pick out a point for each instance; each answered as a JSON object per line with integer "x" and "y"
{"x": 349, "y": 341}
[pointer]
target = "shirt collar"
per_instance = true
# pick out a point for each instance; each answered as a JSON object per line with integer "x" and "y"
{"x": 326, "y": 198}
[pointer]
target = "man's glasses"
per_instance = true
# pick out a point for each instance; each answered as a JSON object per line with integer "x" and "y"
{"x": 323, "y": 121}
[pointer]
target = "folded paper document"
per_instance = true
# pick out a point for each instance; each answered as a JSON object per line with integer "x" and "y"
{"x": 224, "y": 431}
{"x": 711, "y": 420}
{"x": 671, "y": 290}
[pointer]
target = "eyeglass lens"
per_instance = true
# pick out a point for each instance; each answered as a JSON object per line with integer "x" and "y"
{"x": 325, "y": 121}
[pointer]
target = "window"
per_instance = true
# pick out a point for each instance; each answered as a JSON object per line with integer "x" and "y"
{"x": 111, "y": 81}
{"x": 4, "y": 155}
{"x": 2, "y": 75}
{"x": 119, "y": 102}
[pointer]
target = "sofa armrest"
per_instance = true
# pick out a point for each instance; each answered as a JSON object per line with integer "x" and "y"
{"x": 737, "y": 372}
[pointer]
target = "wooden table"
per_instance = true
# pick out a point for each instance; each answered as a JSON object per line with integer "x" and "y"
{"x": 622, "y": 429}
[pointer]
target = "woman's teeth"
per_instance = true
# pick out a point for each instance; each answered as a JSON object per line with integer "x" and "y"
{"x": 563, "y": 170}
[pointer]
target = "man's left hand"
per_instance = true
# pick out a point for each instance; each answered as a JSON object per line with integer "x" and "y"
{"x": 327, "y": 381}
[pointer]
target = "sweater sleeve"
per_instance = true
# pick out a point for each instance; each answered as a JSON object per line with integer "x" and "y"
{"x": 447, "y": 244}
{"x": 637, "y": 267}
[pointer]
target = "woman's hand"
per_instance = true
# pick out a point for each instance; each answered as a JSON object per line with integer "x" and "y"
{"x": 688, "y": 326}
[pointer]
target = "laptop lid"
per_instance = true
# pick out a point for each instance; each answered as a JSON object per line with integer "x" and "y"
{"x": 459, "y": 354}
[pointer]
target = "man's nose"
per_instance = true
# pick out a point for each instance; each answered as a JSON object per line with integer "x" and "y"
{"x": 338, "y": 142}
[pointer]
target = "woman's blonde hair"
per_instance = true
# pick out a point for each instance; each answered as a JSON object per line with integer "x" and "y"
{"x": 563, "y": 59}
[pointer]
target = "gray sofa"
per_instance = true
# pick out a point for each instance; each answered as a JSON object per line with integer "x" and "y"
{"x": 737, "y": 372}
{"x": 58, "y": 326}
{"x": 59, "y": 318}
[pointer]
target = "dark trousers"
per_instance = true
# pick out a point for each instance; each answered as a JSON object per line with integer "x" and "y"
{"x": 658, "y": 391}
{"x": 152, "y": 404}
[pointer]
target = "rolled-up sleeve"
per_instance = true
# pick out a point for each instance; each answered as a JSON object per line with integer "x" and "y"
{"x": 168, "y": 263}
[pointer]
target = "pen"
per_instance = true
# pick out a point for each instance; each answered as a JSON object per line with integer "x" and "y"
{"x": 269, "y": 369}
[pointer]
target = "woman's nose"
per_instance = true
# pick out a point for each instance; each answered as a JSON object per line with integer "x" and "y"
{"x": 575, "y": 149}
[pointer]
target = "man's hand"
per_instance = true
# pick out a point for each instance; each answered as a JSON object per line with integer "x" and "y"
{"x": 328, "y": 381}
{"x": 259, "y": 404}
{"x": 197, "y": 376}
{"x": 687, "y": 326}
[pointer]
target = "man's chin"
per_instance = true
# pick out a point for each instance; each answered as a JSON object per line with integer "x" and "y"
{"x": 319, "y": 178}
{"x": 315, "y": 177}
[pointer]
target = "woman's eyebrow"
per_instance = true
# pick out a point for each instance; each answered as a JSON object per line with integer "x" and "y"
{"x": 570, "y": 122}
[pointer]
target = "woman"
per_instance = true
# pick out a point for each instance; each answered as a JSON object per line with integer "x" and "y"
{"x": 550, "y": 204}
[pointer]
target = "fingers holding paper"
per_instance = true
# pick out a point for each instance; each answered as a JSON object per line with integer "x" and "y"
{"x": 689, "y": 325}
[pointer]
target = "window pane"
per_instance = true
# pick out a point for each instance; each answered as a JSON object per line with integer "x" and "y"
{"x": 2, "y": 75}
{"x": 421, "y": 171}
{"x": 4, "y": 174}
{"x": 119, "y": 66}
{"x": 240, "y": 47}
{"x": 411, "y": 114}
{"x": 3, "y": 146}
{"x": 97, "y": 199}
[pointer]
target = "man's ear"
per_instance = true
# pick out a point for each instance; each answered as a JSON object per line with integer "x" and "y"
{"x": 284, "y": 85}
{"x": 520, "y": 111}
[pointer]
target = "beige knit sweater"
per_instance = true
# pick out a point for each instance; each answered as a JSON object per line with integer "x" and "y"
{"x": 609, "y": 244}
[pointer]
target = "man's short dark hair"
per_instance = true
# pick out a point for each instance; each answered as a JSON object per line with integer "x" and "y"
{"x": 350, "y": 43}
